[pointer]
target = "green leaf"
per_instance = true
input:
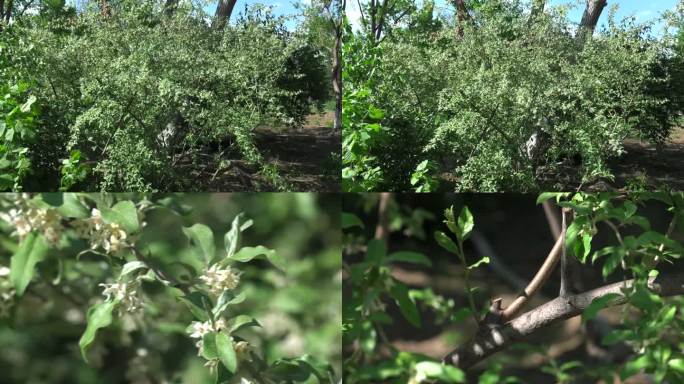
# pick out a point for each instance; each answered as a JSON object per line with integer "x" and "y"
{"x": 202, "y": 237}
{"x": 446, "y": 243}
{"x": 209, "y": 349}
{"x": 598, "y": 304}
{"x": 461, "y": 315}
{"x": 99, "y": 316}
{"x": 226, "y": 352}
{"x": 123, "y": 213}
{"x": 26, "y": 107}
{"x": 233, "y": 237}
{"x": 465, "y": 223}
{"x": 132, "y": 266}
{"x": 677, "y": 365}
{"x": 549, "y": 195}
{"x": 410, "y": 257}
{"x": 484, "y": 260}
{"x": 349, "y": 220}
{"x": 376, "y": 251}
{"x": 246, "y": 254}
{"x": 612, "y": 261}
{"x": 73, "y": 207}
{"x": 407, "y": 307}
{"x": 242, "y": 321}
{"x": 439, "y": 371}
{"x": 31, "y": 251}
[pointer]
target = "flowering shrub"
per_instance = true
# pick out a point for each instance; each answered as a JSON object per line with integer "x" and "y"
{"x": 141, "y": 92}
{"x": 135, "y": 285}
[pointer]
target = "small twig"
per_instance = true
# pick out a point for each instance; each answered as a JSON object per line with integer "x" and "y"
{"x": 565, "y": 267}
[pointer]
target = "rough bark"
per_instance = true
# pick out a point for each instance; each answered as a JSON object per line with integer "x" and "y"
{"x": 590, "y": 18}
{"x": 489, "y": 341}
{"x": 8, "y": 11}
{"x": 462, "y": 16}
{"x": 337, "y": 78}
{"x": 224, "y": 10}
{"x": 170, "y": 7}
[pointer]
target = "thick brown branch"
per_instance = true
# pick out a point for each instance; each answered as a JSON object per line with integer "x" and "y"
{"x": 490, "y": 341}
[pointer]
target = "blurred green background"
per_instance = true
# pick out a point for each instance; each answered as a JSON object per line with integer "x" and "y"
{"x": 298, "y": 308}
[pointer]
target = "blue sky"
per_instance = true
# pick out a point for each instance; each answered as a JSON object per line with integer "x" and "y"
{"x": 642, "y": 10}
{"x": 280, "y": 7}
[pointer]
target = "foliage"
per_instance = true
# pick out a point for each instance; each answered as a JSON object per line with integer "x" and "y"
{"x": 650, "y": 325}
{"x": 472, "y": 104}
{"x": 141, "y": 91}
{"x": 17, "y": 129}
{"x": 247, "y": 312}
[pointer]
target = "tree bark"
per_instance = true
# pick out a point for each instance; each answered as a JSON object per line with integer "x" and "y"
{"x": 337, "y": 77}
{"x": 8, "y": 11}
{"x": 224, "y": 10}
{"x": 492, "y": 340}
{"x": 170, "y": 7}
{"x": 590, "y": 18}
{"x": 462, "y": 16}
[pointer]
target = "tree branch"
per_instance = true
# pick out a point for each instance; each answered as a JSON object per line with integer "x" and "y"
{"x": 496, "y": 339}
{"x": 382, "y": 229}
{"x": 565, "y": 266}
{"x": 537, "y": 282}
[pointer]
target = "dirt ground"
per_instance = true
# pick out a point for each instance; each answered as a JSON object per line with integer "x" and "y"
{"x": 307, "y": 159}
{"x": 657, "y": 168}
{"x": 303, "y": 156}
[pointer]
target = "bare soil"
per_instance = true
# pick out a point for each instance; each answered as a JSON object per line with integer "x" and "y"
{"x": 306, "y": 157}
{"x": 643, "y": 161}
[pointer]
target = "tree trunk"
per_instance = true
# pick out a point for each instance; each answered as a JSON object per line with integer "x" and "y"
{"x": 170, "y": 7}
{"x": 105, "y": 8}
{"x": 337, "y": 77}
{"x": 2, "y": 12}
{"x": 590, "y": 18}
{"x": 462, "y": 16}
{"x": 8, "y": 11}
{"x": 223, "y": 12}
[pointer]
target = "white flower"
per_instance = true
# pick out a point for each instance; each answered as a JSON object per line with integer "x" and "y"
{"x": 26, "y": 219}
{"x": 199, "y": 329}
{"x": 245, "y": 381}
{"x": 125, "y": 293}
{"x": 108, "y": 236}
{"x": 6, "y": 292}
{"x": 219, "y": 280}
{"x": 242, "y": 349}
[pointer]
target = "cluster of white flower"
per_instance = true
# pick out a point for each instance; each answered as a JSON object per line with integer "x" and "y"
{"x": 199, "y": 329}
{"x": 26, "y": 218}
{"x": 125, "y": 293}
{"x": 220, "y": 279}
{"x": 6, "y": 293}
{"x": 108, "y": 236}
